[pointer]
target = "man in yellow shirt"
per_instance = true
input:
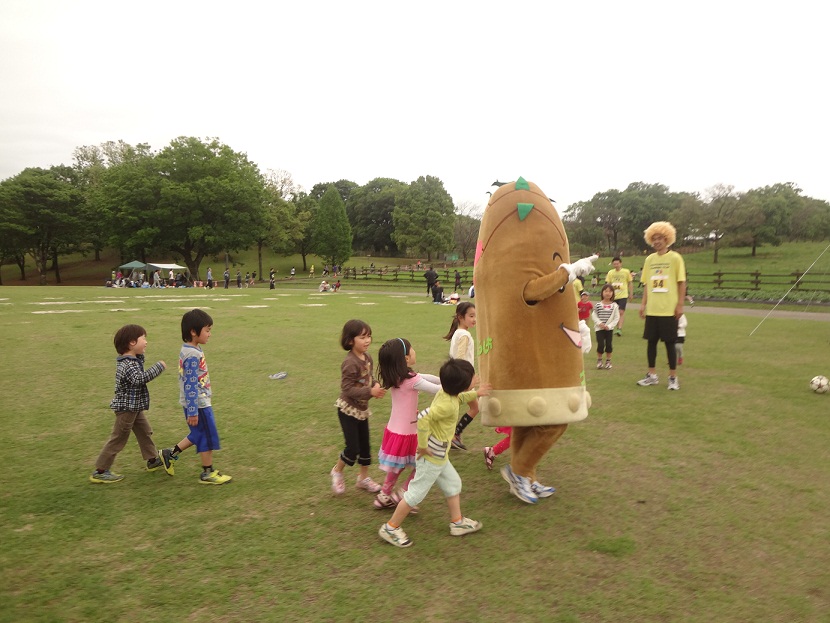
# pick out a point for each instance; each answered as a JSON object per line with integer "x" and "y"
{"x": 622, "y": 281}
{"x": 664, "y": 292}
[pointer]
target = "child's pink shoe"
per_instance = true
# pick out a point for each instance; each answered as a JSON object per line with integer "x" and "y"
{"x": 338, "y": 483}
{"x": 367, "y": 484}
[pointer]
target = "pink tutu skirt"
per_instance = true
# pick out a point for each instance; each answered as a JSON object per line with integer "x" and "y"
{"x": 397, "y": 451}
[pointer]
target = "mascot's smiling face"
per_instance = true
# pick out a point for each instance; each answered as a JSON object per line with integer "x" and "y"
{"x": 522, "y": 214}
{"x": 528, "y": 332}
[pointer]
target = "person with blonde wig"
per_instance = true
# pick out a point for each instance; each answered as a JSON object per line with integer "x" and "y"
{"x": 664, "y": 291}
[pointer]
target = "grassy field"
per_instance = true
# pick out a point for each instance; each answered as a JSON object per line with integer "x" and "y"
{"x": 708, "y": 504}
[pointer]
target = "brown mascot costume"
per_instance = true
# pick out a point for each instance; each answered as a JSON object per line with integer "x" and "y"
{"x": 528, "y": 329}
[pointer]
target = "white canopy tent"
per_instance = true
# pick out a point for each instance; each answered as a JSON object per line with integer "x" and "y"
{"x": 153, "y": 265}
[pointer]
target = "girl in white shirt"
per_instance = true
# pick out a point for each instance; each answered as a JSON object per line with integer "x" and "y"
{"x": 462, "y": 346}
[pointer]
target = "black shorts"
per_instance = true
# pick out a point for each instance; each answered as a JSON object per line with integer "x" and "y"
{"x": 661, "y": 328}
{"x": 621, "y": 303}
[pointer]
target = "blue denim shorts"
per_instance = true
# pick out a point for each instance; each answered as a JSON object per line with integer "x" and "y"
{"x": 204, "y": 435}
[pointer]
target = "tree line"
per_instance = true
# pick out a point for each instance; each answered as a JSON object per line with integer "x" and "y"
{"x": 199, "y": 199}
{"x": 614, "y": 220}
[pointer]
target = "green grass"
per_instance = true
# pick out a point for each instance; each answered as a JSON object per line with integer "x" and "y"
{"x": 708, "y": 504}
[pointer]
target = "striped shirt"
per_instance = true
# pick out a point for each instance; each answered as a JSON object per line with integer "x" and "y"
{"x": 607, "y": 314}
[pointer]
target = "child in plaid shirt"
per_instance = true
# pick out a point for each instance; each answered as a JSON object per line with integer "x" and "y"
{"x": 131, "y": 400}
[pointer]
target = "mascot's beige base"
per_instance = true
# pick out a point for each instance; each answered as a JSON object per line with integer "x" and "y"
{"x": 532, "y": 407}
{"x": 527, "y": 324}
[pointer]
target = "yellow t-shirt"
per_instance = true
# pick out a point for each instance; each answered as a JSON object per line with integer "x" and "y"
{"x": 620, "y": 280}
{"x": 661, "y": 274}
{"x": 578, "y": 287}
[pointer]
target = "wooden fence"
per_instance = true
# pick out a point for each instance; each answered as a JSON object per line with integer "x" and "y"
{"x": 757, "y": 280}
{"x": 446, "y": 273}
{"x": 718, "y": 280}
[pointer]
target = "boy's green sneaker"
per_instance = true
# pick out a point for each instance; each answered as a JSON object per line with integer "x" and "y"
{"x": 105, "y": 477}
{"x": 167, "y": 458}
{"x": 214, "y": 478}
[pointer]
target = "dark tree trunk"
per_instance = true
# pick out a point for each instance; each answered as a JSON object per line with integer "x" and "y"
{"x": 55, "y": 265}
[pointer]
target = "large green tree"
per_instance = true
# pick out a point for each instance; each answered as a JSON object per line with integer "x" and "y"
{"x": 331, "y": 236}
{"x": 640, "y": 205}
{"x": 303, "y": 210}
{"x": 194, "y": 198}
{"x": 811, "y": 220}
{"x": 765, "y": 214}
{"x": 423, "y": 218}
{"x": 369, "y": 209}
{"x": 41, "y": 215}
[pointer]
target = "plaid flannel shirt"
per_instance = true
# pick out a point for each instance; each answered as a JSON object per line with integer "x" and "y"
{"x": 131, "y": 393}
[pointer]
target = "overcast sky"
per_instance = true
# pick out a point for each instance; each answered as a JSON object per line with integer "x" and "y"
{"x": 579, "y": 97}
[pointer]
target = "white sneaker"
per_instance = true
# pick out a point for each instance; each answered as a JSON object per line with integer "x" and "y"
{"x": 674, "y": 383}
{"x": 396, "y": 537}
{"x": 649, "y": 379}
{"x": 542, "y": 491}
{"x": 519, "y": 485}
{"x": 467, "y": 526}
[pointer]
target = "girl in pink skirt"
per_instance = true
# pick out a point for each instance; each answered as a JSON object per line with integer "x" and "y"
{"x": 400, "y": 437}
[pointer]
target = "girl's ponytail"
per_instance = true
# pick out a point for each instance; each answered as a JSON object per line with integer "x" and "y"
{"x": 460, "y": 311}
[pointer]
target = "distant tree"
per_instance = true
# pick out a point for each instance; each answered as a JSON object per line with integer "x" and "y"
{"x": 424, "y": 217}
{"x": 465, "y": 229}
{"x": 718, "y": 213}
{"x": 344, "y": 188}
{"x": 765, "y": 214}
{"x": 331, "y": 237}
{"x": 282, "y": 183}
{"x": 811, "y": 220}
{"x": 90, "y": 163}
{"x": 606, "y": 210}
{"x": 580, "y": 221}
{"x": 40, "y": 215}
{"x": 369, "y": 209}
{"x": 687, "y": 219}
{"x": 280, "y": 226}
{"x": 640, "y": 205}
{"x": 303, "y": 209}
{"x": 193, "y": 198}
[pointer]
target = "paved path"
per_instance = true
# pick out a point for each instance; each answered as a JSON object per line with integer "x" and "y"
{"x": 760, "y": 313}
{"x": 692, "y": 309}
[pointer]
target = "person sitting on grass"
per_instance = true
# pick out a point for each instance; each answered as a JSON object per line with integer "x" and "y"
{"x": 438, "y": 293}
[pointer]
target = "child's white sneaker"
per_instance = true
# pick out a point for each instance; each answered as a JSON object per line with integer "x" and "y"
{"x": 466, "y": 526}
{"x": 395, "y": 536}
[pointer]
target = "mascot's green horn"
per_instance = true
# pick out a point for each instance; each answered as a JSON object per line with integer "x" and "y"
{"x": 524, "y": 209}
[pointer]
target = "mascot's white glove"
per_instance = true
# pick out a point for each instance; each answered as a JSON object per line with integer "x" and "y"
{"x": 580, "y": 268}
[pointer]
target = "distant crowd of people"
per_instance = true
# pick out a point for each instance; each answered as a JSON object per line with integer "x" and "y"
{"x": 138, "y": 279}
